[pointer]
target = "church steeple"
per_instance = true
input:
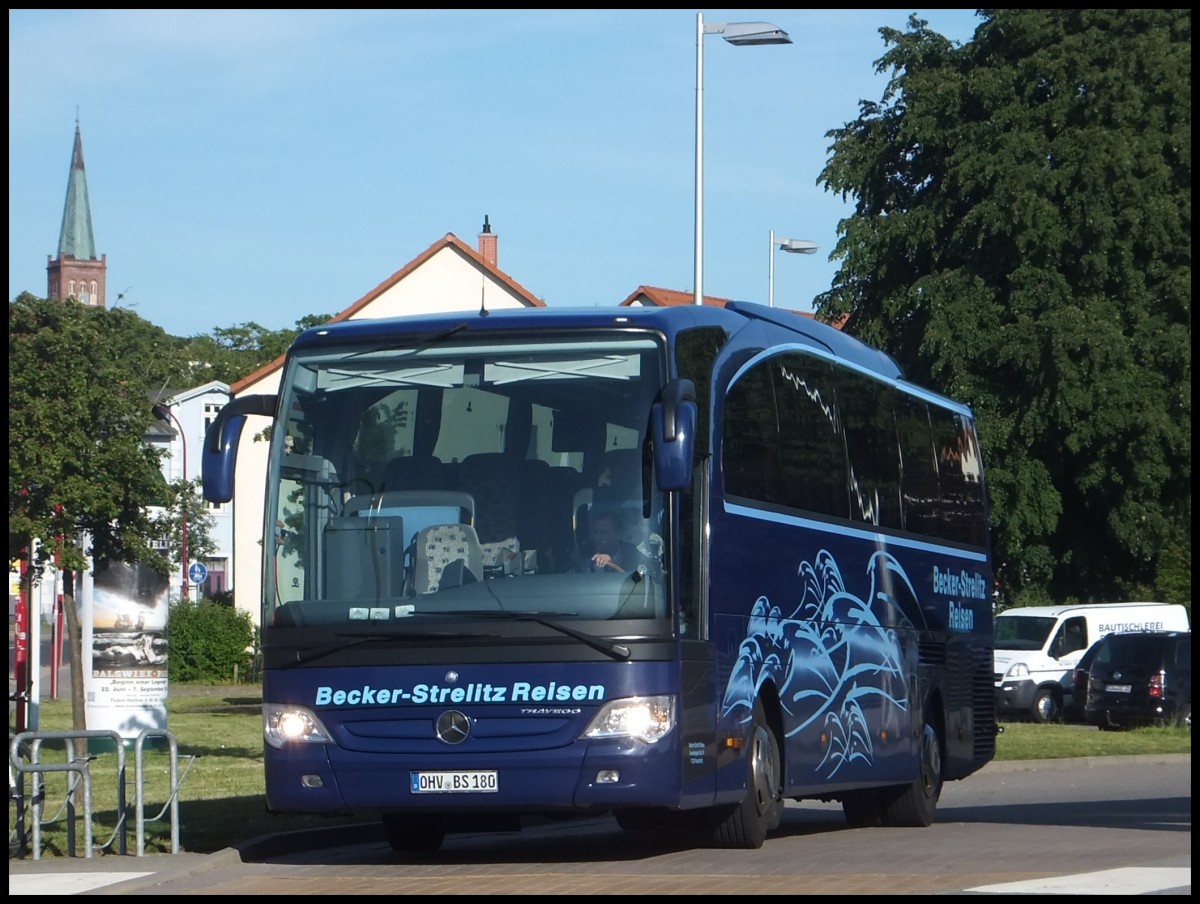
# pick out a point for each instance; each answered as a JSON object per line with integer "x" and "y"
{"x": 76, "y": 240}
{"x": 76, "y": 272}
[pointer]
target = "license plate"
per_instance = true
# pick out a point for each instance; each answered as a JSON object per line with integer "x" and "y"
{"x": 1118, "y": 688}
{"x": 485, "y": 781}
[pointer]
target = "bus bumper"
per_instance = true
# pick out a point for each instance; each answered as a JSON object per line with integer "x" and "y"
{"x": 585, "y": 776}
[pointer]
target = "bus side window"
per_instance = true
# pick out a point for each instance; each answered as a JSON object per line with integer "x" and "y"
{"x": 959, "y": 480}
{"x": 812, "y": 451}
{"x": 749, "y": 458}
{"x": 866, "y": 410}
{"x": 918, "y": 466}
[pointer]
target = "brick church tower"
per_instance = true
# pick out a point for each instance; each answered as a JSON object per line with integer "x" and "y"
{"x": 76, "y": 272}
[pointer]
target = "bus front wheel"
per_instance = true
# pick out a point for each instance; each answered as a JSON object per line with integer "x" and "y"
{"x": 746, "y": 824}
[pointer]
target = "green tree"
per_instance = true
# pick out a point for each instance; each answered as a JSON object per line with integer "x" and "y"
{"x": 154, "y": 357}
{"x": 80, "y": 380}
{"x": 181, "y": 500}
{"x": 1021, "y": 240}
{"x": 231, "y": 353}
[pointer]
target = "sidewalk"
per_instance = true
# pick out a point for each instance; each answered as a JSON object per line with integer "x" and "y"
{"x": 77, "y": 875}
{"x": 116, "y": 873}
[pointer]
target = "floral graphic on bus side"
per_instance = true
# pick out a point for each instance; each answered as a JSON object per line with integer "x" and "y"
{"x": 833, "y": 659}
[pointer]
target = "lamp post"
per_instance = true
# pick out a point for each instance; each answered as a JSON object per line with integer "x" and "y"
{"x": 162, "y": 412}
{"x": 792, "y": 246}
{"x": 739, "y": 34}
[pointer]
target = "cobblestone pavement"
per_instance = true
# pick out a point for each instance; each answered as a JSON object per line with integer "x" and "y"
{"x": 1105, "y": 825}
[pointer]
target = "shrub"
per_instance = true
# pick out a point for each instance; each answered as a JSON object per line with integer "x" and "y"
{"x": 208, "y": 643}
{"x": 223, "y": 598}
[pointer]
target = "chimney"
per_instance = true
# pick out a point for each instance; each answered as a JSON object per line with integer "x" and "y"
{"x": 487, "y": 243}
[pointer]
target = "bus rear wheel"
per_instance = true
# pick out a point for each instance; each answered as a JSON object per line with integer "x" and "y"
{"x": 915, "y": 804}
{"x": 413, "y": 832}
{"x": 746, "y": 824}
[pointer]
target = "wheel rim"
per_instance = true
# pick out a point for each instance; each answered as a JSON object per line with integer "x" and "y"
{"x": 1045, "y": 706}
{"x": 931, "y": 762}
{"x": 764, "y": 769}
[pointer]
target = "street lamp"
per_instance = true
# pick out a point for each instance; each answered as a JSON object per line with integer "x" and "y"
{"x": 792, "y": 246}
{"x": 162, "y": 412}
{"x": 738, "y": 34}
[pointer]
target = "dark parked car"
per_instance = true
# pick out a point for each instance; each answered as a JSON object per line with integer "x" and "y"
{"x": 1141, "y": 678}
{"x": 1073, "y": 705}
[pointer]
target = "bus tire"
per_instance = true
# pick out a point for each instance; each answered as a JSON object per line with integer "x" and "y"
{"x": 745, "y": 825}
{"x": 915, "y": 804}
{"x": 413, "y": 832}
{"x": 1047, "y": 706}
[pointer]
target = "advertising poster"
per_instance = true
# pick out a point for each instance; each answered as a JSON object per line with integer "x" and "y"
{"x": 126, "y": 680}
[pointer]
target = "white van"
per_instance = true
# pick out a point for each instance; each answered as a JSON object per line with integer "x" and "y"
{"x": 1037, "y": 647}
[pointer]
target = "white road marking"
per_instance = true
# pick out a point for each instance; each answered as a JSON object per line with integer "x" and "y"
{"x": 64, "y": 883}
{"x": 1128, "y": 881}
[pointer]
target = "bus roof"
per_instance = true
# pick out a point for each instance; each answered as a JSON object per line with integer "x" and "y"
{"x": 781, "y": 326}
{"x": 669, "y": 320}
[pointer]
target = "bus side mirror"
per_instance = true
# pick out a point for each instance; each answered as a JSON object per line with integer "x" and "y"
{"x": 221, "y": 443}
{"x": 674, "y": 419}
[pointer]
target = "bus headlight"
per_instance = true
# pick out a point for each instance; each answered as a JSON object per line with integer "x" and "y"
{"x": 644, "y": 718}
{"x": 285, "y": 723}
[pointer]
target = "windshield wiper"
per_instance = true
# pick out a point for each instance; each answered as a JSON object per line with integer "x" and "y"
{"x": 356, "y": 640}
{"x": 421, "y": 344}
{"x": 607, "y": 647}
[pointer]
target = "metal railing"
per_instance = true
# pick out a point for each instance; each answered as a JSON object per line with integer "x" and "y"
{"x": 26, "y": 757}
{"x": 172, "y": 803}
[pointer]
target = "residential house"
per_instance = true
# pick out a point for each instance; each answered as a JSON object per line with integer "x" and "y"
{"x": 181, "y": 434}
{"x": 449, "y": 275}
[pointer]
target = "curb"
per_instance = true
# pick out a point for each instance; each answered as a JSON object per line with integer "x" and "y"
{"x": 303, "y": 840}
{"x": 1083, "y": 762}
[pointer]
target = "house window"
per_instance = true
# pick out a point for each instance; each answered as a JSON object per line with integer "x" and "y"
{"x": 211, "y": 409}
{"x": 210, "y": 414}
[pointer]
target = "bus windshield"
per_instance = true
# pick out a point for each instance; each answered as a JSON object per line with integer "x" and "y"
{"x": 409, "y": 482}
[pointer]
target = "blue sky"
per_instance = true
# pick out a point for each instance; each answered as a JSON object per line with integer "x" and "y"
{"x": 263, "y": 165}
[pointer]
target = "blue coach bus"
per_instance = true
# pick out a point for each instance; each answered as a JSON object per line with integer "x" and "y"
{"x": 796, "y": 604}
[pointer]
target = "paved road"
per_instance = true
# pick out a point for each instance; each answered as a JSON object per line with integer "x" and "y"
{"x": 1104, "y": 825}
{"x": 1108, "y": 825}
